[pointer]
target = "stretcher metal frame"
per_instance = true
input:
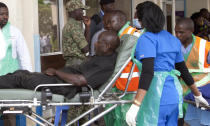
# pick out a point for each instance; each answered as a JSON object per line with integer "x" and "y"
{"x": 25, "y": 106}
{"x": 200, "y": 105}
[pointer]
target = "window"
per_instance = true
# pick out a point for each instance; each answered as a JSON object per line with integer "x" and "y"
{"x": 51, "y": 21}
{"x": 49, "y": 27}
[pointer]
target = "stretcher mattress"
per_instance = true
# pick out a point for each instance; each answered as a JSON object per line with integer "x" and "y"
{"x": 24, "y": 94}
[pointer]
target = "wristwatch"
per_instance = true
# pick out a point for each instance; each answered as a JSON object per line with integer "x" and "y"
{"x": 136, "y": 102}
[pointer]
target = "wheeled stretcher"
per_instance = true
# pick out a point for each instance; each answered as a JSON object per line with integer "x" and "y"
{"x": 21, "y": 101}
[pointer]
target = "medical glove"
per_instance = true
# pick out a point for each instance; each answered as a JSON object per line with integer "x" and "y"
{"x": 132, "y": 114}
{"x": 200, "y": 99}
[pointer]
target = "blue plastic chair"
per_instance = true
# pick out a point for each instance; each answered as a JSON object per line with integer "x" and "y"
{"x": 20, "y": 120}
{"x": 64, "y": 111}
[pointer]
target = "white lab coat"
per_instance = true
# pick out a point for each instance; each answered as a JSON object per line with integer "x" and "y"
{"x": 19, "y": 49}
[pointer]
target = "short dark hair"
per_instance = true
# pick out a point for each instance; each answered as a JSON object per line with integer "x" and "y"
{"x": 115, "y": 41}
{"x": 195, "y": 16}
{"x": 122, "y": 16}
{"x": 111, "y": 38}
{"x": 102, "y": 2}
{"x": 186, "y": 22}
{"x": 151, "y": 16}
{"x": 3, "y": 5}
{"x": 203, "y": 10}
{"x": 138, "y": 6}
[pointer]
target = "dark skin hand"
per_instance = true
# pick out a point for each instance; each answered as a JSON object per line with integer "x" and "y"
{"x": 86, "y": 49}
{"x": 86, "y": 21}
{"x": 76, "y": 79}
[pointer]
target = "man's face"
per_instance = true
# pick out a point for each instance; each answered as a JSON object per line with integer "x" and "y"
{"x": 105, "y": 20}
{"x": 113, "y": 23}
{"x": 100, "y": 46}
{"x": 79, "y": 14}
{"x": 4, "y": 15}
{"x": 182, "y": 33}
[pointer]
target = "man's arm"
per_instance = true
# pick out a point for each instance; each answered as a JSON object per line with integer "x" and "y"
{"x": 186, "y": 76}
{"x": 195, "y": 90}
{"x": 76, "y": 79}
{"x": 22, "y": 50}
{"x": 79, "y": 38}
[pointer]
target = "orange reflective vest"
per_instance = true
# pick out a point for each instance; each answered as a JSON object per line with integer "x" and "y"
{"x": 122, "y": 80}
{"x": 197, "y": 62}
{"x": 199, "y": 54}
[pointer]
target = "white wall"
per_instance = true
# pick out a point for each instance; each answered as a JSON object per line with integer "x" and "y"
{"x": 179, "y": 5}
{"x": 136, "y": 2}
{"x": 195, "y": 5}
{"x": 24, "y": 15}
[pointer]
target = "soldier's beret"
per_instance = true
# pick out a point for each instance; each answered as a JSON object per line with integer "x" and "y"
{"x": 75, "y": 4}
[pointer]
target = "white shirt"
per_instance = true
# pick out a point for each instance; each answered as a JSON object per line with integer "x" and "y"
{"x": 20, "y": 49}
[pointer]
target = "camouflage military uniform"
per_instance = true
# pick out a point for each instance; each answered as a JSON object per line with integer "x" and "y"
{"x": 73, "y": 41}
{"x": 76, "y": 111}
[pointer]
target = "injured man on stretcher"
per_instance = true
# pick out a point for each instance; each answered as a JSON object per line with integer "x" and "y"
{"x": 94, "y": 72}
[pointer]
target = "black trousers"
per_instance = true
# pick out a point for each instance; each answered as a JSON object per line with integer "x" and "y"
{"x": 29, "y": 80}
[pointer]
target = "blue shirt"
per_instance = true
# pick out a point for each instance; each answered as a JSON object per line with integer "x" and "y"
{"x": 186, "y": 50}
{"x": 208, "y": 58}
{"x": 102, "y": 13}
{"x": 166, "y": 51}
